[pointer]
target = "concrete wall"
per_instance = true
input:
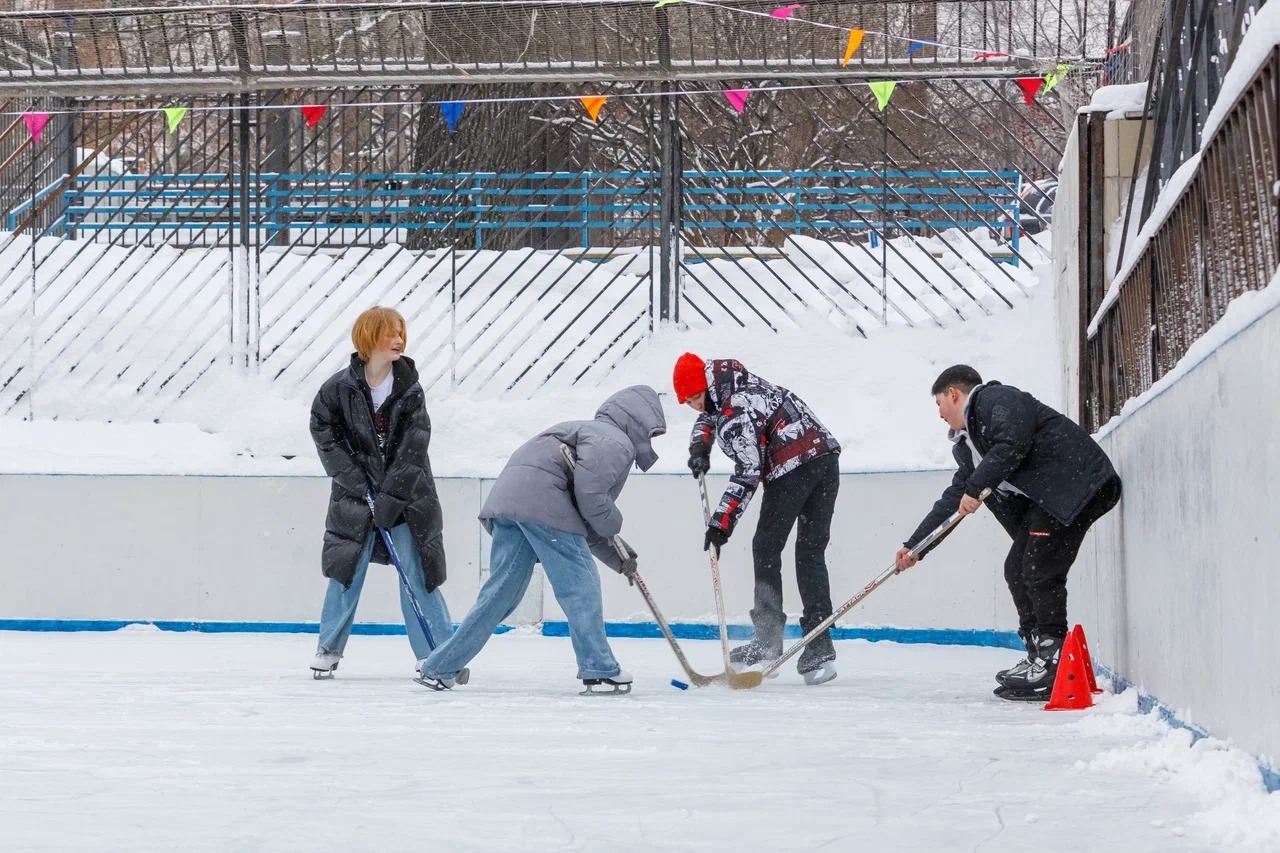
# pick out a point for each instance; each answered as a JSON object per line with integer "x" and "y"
{"x": 248, "y": 549}
{"x": 1178, "y": 587}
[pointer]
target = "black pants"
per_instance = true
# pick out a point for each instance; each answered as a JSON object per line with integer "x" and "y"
{"x": 1042, "y": 554}
{"x": 806, "y": 495}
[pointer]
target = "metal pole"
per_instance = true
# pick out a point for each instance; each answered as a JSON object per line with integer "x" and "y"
{"x": 884, "y": 218}
{"x": 669, "y": 133}
{"x": 244, "y": 267}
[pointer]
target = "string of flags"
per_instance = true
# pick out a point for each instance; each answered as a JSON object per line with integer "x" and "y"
{"x": 882, "y": 90}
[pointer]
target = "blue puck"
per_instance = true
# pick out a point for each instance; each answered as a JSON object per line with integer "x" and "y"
{"x": 679, "y": 684}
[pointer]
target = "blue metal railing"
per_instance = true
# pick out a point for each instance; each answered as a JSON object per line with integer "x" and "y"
{"x": 586, "y": 203}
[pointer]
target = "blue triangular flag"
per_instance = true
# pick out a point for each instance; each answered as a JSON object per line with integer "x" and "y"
{"x": 914, "y": 46}
{"x": 452, "y": 111}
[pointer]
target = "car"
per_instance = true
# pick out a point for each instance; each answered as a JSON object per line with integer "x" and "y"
{"x": 1035, "y": 206}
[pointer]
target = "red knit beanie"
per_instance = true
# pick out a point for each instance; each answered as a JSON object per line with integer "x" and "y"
{"x": 690, "y": 377}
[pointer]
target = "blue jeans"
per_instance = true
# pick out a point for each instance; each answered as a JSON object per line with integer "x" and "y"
{"x": 572, "y": 573}
{"x": 339, "y": 611}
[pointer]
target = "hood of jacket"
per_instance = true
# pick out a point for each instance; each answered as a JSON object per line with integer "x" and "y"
{"x": 638, "y": 413}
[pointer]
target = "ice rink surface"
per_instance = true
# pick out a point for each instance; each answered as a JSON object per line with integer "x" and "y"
{"x": 147, "y": 741}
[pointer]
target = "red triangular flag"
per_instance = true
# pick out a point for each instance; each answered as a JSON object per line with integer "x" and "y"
{"x": 1030, "y": 87}
{"x": 313, "y": 113}
{"x": 35, "y": 124}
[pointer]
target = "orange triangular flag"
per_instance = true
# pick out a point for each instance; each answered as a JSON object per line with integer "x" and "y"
{"x": 592, "y": 104}
{"x": 313, "y": 113}
{"x": 855, "y": 40}
{"x": 1030, "y": 87}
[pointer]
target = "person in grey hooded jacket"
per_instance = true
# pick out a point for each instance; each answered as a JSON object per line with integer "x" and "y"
{"x": 541, "y": 510}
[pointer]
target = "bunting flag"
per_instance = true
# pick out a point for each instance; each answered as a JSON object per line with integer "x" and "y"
{"x": 1056, "y": 76}
{"x": 313, "y": 113}
{"x": 1030, "y": 87}
{"x": 452, "y": 111}
{"x": 883, "y": 92}
{"x": 737, "y": 98}
{"x": 592, "y": 105}
{"x": 35, "y": 124}
{"x": 174, "y": 115}
{"x": 784, "y": 12}
{"x": 981, "y": 56}
{"x": 855, "y": 41}
{"x": 914, "y": 46}
{"x": 662, "y": 3}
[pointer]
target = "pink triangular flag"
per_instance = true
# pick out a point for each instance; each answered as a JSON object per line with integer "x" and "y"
{"x": 1030, "y": 87}
{"x": 37, "y": 121}
{"x": 784, "y": 12}
{"x": 737, "y": 98}
{"x": 313, "y": 113}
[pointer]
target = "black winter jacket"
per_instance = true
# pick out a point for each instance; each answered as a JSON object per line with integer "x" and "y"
{"x": 399, "y": 475}
{"x": 1042, "y": 452}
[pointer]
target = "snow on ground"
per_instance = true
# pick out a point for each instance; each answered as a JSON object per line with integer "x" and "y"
{"x": 141, "y": 740}
{"x": 873, "y": 393}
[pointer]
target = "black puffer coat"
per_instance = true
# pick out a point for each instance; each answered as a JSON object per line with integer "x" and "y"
{"x": 405, "y": 491}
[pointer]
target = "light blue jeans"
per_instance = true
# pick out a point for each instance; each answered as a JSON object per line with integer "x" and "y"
{"x": 572, "y": 573}
{"x": 339, "y": 611}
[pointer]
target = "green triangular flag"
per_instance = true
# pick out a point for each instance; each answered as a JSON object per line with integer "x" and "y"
{"x": 173, "y": 115}
{"x": 662, "y": 3}
{"x": 1054, "y": 77}
{"x": 883, "y": 92}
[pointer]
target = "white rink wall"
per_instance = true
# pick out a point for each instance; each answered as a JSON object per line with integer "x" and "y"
{"x": 247, "y": 549}
{"x": 1178, "y": 586}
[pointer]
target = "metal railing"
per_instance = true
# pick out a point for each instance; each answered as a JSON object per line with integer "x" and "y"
{"x": 1221, "y": 238}
{"x": 255, "y": 47}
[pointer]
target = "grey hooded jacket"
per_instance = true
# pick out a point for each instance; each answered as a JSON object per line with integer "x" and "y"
{"x": 537, "y": 487}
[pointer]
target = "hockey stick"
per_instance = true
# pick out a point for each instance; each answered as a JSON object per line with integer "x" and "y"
{"x": 695, "y": 678}
{"x": 938, "y": 532}
{"x": 736, "y": 679}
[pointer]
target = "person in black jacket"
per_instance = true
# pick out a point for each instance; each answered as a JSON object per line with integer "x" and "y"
{"x": 1050, "y": 482}
{"x": 371, "y": 429}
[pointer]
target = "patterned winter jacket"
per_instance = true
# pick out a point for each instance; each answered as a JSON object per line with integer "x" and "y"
{"x": 765, "y": 429}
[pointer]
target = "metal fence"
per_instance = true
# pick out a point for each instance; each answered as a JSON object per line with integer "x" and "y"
{"x": 1220, "y": 239}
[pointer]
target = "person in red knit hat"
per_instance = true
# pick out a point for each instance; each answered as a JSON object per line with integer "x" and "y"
{"x": 772, "y": 436}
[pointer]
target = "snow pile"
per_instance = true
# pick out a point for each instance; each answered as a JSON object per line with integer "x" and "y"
{"x": 1115, "y": 101}
{"x": 1235, "y": 810}
{"x": 872, "y": 392}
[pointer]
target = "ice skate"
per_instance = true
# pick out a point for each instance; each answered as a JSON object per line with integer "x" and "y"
{"x": 323, "y": 664}
{"x": 434, "y": 683}
{"x": 818, "y": 660}
{"x": 1040, "y": 672}
{"x": 618, "y": 685}
{"x": 754, "y": 653}
{"x": 1020, "y": 668}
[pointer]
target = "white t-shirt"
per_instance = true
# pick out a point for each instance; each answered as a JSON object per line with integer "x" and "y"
{"x": 382, "y": 392}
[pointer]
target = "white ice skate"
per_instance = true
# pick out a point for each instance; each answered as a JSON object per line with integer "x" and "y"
{"x": 443, "y": 683}
{"x": 619, "y": 685}
{"x": 323, "y": 664}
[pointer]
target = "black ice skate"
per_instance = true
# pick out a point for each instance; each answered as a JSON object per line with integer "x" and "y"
{"x": 753, "y": 653}
{"x": 619, "y": 685}
{"x": 1023, "y": 665}
{"x": 1036, "y": 679}
{"x": 323, "y": 664}
{"x": 817, "y": 661}
{"x": 444, "y": 683}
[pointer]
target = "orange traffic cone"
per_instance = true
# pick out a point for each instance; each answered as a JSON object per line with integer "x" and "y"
{"x": 1078, "y": 631}
{"x": 1071, "y": 684}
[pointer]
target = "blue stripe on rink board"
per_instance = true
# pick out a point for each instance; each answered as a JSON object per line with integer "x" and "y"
{"x": 644, "y": 630}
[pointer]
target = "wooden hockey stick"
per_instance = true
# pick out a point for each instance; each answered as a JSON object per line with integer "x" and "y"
{"x": 737, "y": 680}
{"x": 938, "y": 532}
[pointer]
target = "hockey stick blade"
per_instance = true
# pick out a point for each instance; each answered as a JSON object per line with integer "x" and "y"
{"x": 938, "y": 532}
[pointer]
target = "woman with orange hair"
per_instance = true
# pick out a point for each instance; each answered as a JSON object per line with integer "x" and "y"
{"x": 371, "y": 429}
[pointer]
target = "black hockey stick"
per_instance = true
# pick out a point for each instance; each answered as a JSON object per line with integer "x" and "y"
{"x": 940, "y": 531}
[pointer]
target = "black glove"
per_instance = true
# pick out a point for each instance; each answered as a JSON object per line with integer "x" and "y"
{"x": 386, "y": 511}
{"x": 629, "y": 563}
{"x": 699, "y": 463}
{"x": 716, "y": 537}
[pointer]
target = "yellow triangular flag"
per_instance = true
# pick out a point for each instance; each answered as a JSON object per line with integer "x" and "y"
{"x": 883, "y": 92}
{"x": 662, "y": 3}
{"x": 855, "y": 39}
{"x": 173, "y": 115}
{"x": 1056, "y": 76}
{"x": 592, "y": 105}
